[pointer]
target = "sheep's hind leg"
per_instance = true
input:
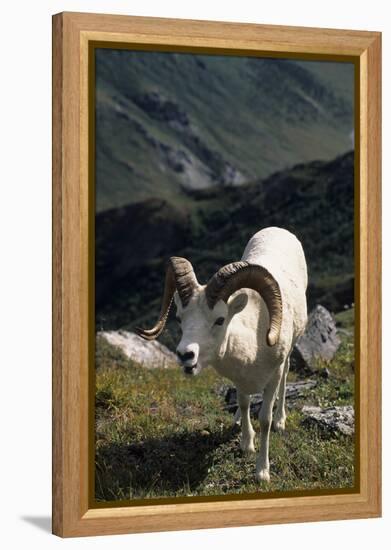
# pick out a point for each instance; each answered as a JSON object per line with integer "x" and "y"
{"x": 265, "y": 420}
{"x": 248, "y": 434}
{"x": 280, "y": 415}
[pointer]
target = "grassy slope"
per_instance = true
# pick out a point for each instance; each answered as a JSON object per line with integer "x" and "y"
{"x": 159, "y": 433}
{"x": 261, "y": 115}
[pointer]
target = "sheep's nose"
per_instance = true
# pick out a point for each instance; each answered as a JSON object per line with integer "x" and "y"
{"x": 187, "y": 356}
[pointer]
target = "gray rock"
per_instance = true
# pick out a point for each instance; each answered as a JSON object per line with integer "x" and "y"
{"x": 293, "y": 391}
{"x": 148, "y": 354}
{"x": 162, "y": 109}
{"x": 298, "y": 389}
{"x": 319, "y": 341}
{"x": 331, "y": 420}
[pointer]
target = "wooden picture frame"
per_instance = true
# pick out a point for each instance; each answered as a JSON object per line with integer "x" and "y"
{"x": 73, "y": 34}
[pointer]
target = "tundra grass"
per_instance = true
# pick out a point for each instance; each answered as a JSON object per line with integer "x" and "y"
{"x": 161, "y": 434}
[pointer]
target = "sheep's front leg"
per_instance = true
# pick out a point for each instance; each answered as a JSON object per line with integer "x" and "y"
{"x": 248, "y": 434}
{"x": 265, "y": 420}
{"x": 280, "y": 415}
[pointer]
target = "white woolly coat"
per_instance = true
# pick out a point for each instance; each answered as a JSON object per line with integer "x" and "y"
{"x": 244, "y": 356}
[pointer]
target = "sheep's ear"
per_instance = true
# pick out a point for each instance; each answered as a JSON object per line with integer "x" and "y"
{"x": 237, "y": 304}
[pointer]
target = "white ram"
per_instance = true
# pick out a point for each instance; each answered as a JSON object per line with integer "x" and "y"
{"x": 244, "y": 323}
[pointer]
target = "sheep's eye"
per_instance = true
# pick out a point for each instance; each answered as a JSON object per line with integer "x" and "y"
{"x": 178, "y": 320}
{"x": 219, "y": 321}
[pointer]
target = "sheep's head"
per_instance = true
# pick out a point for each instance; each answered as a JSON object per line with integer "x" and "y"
{"x": 205, "y": 312}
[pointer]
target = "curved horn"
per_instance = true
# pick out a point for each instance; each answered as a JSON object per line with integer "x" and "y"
{"x": 238, "y": 275}
{"x": 180, "y": 276}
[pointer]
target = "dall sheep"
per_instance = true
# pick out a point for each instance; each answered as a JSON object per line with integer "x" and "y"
{"x": 244, "y": 322}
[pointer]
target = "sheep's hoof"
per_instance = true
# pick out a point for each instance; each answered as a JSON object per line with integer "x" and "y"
{"x": 247, "y": 442}
{"x": 279, "y": 425}
{"x": 247, "y": 447}
{"x": 263, "y": 475}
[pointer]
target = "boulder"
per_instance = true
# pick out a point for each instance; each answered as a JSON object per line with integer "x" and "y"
{"x": 293, "y": 391}
{"x": 331, "y": 420}
{"x": 162, "y": 109}
{"x": 148, "y": 354}
{"x": 319, "y": 341}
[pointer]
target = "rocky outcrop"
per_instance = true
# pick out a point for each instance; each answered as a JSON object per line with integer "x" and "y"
{"x": 331, "y": 420}
{"x": 162, "y": 109}
{"x": 293, "y": 391}
{"x": 148, "y": 354}
{"x": 197, "y": 165}
{"x": 320, "y": 341}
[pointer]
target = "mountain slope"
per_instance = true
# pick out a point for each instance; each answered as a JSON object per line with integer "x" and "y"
{"x": 168, "y": 122}
{"x": 315, "y": 201}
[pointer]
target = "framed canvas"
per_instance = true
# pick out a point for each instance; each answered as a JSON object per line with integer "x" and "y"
{"x": 248, "y": 156}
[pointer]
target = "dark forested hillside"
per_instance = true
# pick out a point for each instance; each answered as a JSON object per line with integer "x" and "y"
{"x": 313, "y": 200}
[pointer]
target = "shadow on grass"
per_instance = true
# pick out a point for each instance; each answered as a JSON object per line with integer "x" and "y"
{"x": 167, "y": 466}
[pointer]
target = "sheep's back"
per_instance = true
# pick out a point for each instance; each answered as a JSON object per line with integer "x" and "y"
{"x": 281, "y": 253}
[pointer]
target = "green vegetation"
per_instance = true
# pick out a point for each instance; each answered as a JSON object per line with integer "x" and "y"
{"x": 168, "y": 121}
{"x": 160, "y": 434}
